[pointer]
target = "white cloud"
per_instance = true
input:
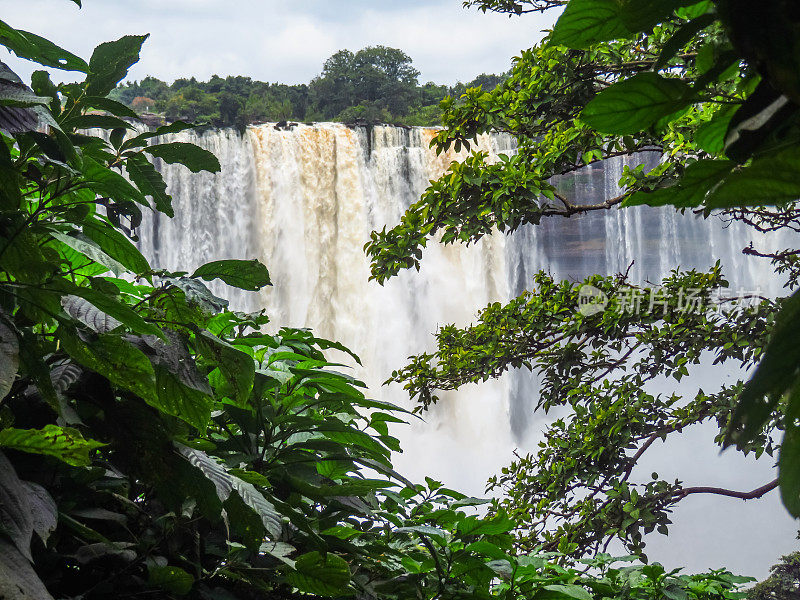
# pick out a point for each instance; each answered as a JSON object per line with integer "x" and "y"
{"x": 279, "y": 40}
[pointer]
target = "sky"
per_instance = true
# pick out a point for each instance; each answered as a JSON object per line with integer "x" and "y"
{"x": 280, "y": 40}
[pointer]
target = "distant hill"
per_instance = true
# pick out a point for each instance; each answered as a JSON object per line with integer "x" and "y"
{"x": 375, "y": 84}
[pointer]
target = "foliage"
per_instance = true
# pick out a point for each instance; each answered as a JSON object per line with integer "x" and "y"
{"x": 378, "y": 75}
{"x": 377, "y": 84}
{"x": 156, "y": 443}
{"x": 713, "y": 94}
{"x": 782, "y": 584}
{"x": 579, "y": 492}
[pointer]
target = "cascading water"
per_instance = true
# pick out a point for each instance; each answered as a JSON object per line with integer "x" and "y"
{"x": 304, "y": 202}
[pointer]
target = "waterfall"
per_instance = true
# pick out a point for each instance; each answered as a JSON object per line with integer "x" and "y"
{"x": 304, "y": 200}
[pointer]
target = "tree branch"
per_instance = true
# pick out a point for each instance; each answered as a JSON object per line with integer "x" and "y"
{"x": 756, "y": 493}
{"x": 572, "y": 209}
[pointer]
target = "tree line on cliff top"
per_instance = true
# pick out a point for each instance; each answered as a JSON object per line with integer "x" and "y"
{"x": 376, "y": 84}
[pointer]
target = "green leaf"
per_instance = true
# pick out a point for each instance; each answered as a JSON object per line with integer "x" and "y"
{"x": 141, "y": 139}
{"x": 693, "y": 9}
{"x": 387, "y": 470}
{"x": 191, "y": 156}
{"x": 150, "y": 182}
{"x": 110, "y": 63}
{"x": 351, "y": 487}
{"x": 789, "y": 459}
{"x": 710, "y": 136}
{"x": 43, "y": 86}
{"x": 109, "y": 105}
{"x": 33, "y": 47}
{"x": 320, "y": 575}
{"x": 116, "y": 245}
{"x": 64, "y": 443}
{"x": 90, "y": 250}
{"x": 565, "y": 591}
{"x": 114, "y": 358}
{"x": 477, "y": 526}
{"x": 486, "y": 548}
{"x": 585, "y": 22}
{"x": 674, "y": 592}
{"x": 251, "y": 477}
{"x": 777, "y": 372}
{"x": 432, "y": 532}
{"x": 91, "y": 121}
{"x": 111, "y": 184}
{"x": 342, "y": 532}
{"x": 470, "y": 501}
{"x": 643, "y": 15}
{"x": 636, "y": 103}
{"x": 179, "y": 400}
{"x": 32, "y": 363}
{"x": 226, "y": 483}
{"x": 691, "y": 189}
{"x": 236, "y": 366}
{"x": 108, "y": 304}
{"x": 355, "y": 438}
{"x": 10, "y": 194}
{"x": 681, "y": 37}
{"x": 248, "y": 275}
{"x": 170, "y": 579}
{"x": 770, "y": 179}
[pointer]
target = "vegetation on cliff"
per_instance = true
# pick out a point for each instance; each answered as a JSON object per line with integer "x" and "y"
{"x": 374, "y": 85}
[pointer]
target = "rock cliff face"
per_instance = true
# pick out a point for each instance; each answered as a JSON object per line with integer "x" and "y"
{"x": 151, "y": 119}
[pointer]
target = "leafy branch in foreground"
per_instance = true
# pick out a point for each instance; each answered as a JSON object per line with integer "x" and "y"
{"x": 712, "y": 87}
{"x": 578, "y": 492}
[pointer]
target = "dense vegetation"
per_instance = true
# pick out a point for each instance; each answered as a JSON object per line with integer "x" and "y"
{"x": 374, "y": 85}
{"x": 712, "y": 87}
{"x": 155, "y": 443}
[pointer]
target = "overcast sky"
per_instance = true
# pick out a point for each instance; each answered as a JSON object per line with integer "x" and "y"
{"x": 281, "y": 40}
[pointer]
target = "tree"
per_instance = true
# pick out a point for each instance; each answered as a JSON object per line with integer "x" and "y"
{"x": 386, "y": 76}
{"x": 380, "y": 76}
{"x": 715, "y": 96}
{"x": 142, "y": 104}
{"x": 782, "y": 584}
{"x": 334, "y": 89}
{"x": 230, "y": 109}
